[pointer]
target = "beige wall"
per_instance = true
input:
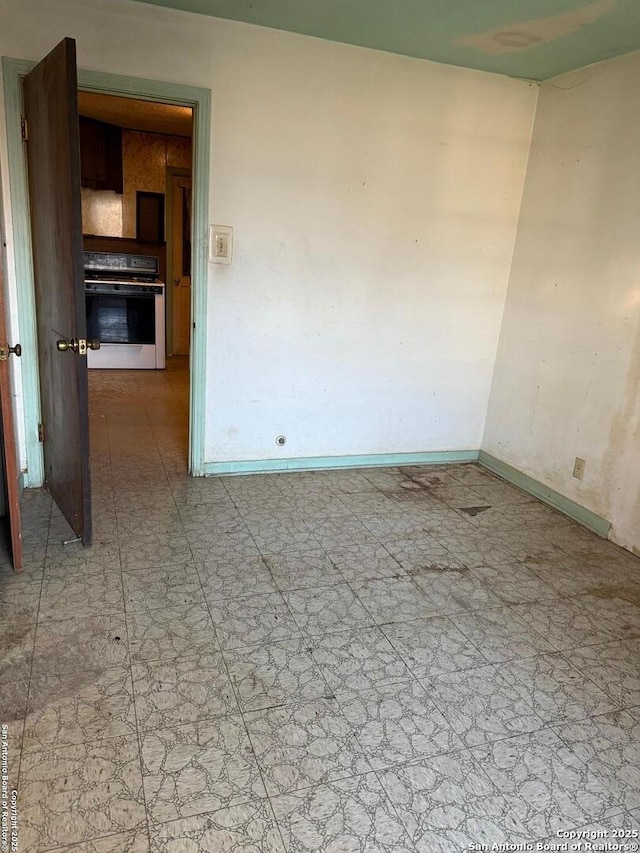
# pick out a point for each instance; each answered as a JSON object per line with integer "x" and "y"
{"x": 567, "y": 378}
{"x": 145, "y": 159}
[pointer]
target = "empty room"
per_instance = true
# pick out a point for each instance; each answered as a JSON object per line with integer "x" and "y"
{"x": 320, "y": 410}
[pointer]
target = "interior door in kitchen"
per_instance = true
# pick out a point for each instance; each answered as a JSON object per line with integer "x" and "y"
{"x": 53, "y": 165}
{"x": 181, "y": 262}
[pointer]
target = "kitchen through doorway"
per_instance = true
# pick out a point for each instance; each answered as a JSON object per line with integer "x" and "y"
{"x": 136, "y": 185}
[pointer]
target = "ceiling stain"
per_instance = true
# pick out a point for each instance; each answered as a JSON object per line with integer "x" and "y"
{"x": 528, "y": 34}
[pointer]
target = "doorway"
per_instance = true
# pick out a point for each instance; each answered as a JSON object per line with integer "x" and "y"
{"x": 120, "y": 87}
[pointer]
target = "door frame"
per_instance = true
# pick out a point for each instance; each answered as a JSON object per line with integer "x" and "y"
{"x": 13, "y": 71}
{"x": 181, "y": 172}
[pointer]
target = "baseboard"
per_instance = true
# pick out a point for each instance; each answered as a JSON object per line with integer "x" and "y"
{"x": 315, "y": 463}
{"x": 564, "y": 505}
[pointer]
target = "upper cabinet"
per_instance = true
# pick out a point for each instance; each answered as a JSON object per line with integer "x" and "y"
{"x": 100, "y": 155}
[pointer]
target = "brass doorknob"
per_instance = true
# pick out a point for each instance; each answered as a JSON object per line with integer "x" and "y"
{"x": 79, "y": 345}
{"x": 6, "y": 351}
{"x": 176, "y": 281}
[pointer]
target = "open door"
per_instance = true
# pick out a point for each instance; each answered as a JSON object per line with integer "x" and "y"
{"x": 53, "y": 162}
{"x": 8, "y": 432}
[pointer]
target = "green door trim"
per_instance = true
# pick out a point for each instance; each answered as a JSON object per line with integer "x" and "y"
{"x": 13, "y": 70}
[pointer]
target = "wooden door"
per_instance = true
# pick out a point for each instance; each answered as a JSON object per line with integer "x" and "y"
{"x": 53, "y": 159}
{"x": 181, "y": 263}
{"x": 8, "y": 433}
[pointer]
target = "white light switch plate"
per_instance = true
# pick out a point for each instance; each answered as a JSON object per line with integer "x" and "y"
{"x": 220, "y": 244}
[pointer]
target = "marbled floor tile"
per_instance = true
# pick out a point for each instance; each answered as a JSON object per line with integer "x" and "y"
{"x": 334, "y": 532}
{"x": 358, "y": 660}
{"x": 302, "y": 568}
{"x": 397, "y": 723}
{"x": 526, "y": 545}
{"x": 418, "y": 555}
{"x": 198, "y": 768}
{"x": 252, "y": 620}
{"x": 475, "y": 549}
{"x": 501, "y": 635}
{"x": 393, "y": 527}
{"x": 192, "y": 493}
{"x": 302, "y": 745}
{"x": 613, "y": 667}
{"x": 571, "y": 577}
{"x": 247, "y": 828}
{"x": 234, "y": 578}
{"x": 500, "y": 493}
{"x": 274, "y": 537}
{"x": 156, "y": 588}
{"x": 275, "y": 674}
{"x": 618, "y": 608}
{"x": 364, "y": 562}
{"x": 71, "y": 645}
{"x": 610, "y": 746}
{"x": 97, "y": 594}
{"x": 77, "y": 707}
{"x": 555, "y": 690}
{"x": 182, "y": 691}
{"x": 393, "y": 600}
{"x": 352, "y": 815}
{"x": 497, "y": 519}
{"x": 199, "y": 520}
{"x": 446, "y": 803}
{"x": 432, "y": 646}
{"x": 63, "y": 561}
{"x": 566, "y": 623}
{"x": 13, "y": 708}
{"x": 481, "y": 706}
{"x": 171, "y": 632}
{"x": 514, "y": 584}
{"x": 456, "y": 495}
{"x": 136, "y": 841}
{"x": 76, "y": 793}
{"x": 19, "y": 600}
{"x": 163, "y": 523}
{"x": 446, "y": 522}
{"x": 369, "y": 504}
{"x": 150, "y": 551}
{"x": 259, "y": 513}
{"x": 327, "y": 609}
{"x": 312, "y": 506}
{"x": 228, "y": 546}
{"x": 549, "y": 787}
{"x": 348, "y": 482}
{"x": 452, "y": 592}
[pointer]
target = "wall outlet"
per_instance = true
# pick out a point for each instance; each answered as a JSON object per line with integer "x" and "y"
{"x": 578, "y": 468}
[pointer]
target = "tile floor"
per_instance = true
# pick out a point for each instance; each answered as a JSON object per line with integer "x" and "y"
{"x": 375, "y": 660}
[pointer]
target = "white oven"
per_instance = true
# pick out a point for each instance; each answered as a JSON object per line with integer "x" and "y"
{"x": 125, "y": 311}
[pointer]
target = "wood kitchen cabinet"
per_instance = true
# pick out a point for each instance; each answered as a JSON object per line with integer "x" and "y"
{"x": 100, "y": 155}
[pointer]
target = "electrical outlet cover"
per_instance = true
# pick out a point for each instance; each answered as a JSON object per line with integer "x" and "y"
{"x": 578, "y": 468}
{"x": 220, "y": 244}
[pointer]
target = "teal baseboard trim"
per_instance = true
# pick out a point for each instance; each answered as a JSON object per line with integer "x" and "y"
{"x": 533, "y": 487}
{"x": 326, "y": 463}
